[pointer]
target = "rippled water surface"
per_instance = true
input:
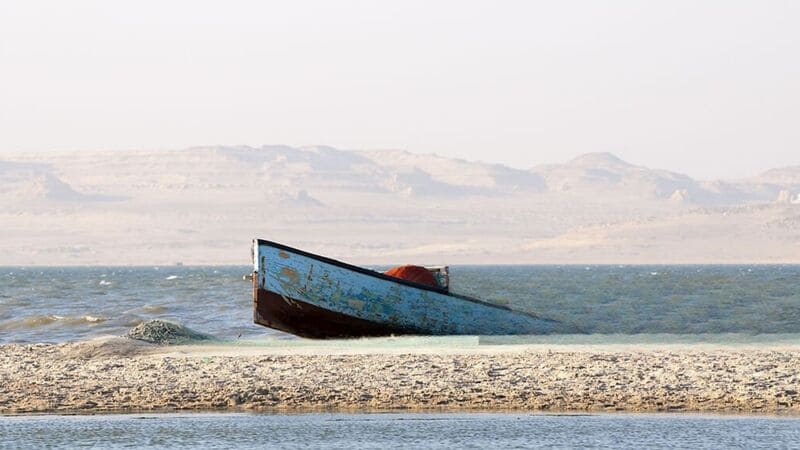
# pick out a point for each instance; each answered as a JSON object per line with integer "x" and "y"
{"x": 425, "y": 430}
{"x": 617, "y": 303}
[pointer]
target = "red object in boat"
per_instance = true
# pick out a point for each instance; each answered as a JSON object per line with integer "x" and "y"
{"x": 416, "y": 274}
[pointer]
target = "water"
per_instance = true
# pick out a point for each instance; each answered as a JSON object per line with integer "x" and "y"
{"x": 634, "y": 304}
{"x": 734, "y": 303}
{"x": 418, "y": 430}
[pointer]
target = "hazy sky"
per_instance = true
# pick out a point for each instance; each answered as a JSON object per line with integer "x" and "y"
{"x": 710, "y": 88}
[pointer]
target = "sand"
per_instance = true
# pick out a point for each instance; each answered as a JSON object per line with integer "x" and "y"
{"x": 123, "y": 375}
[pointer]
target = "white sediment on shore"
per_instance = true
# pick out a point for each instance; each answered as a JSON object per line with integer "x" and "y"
{"x": 117, "y": 375}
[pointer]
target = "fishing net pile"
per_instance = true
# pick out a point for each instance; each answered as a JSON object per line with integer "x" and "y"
{"x": 165, "y": 332}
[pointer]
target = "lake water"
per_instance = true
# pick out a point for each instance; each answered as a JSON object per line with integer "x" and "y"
{"x": 637, "y": 303}
{"x": 404, "y": 430}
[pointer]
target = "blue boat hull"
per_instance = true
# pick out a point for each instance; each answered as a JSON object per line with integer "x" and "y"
{"x": 317, "y": 297}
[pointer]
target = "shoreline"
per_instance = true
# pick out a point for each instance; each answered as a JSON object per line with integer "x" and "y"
{"x": 118, "y": 375}
{"x": 476, "y": 412}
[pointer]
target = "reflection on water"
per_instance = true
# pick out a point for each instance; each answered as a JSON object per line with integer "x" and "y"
{"x": 611, "y": 303}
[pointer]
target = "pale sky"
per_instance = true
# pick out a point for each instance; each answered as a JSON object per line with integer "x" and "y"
{"x": 708, "y": 88}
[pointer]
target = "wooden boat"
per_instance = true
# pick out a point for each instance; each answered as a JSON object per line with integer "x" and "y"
{"x": 318, "y": 297}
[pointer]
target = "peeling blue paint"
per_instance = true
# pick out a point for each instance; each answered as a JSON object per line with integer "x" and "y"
{"x": 381, "y": 300}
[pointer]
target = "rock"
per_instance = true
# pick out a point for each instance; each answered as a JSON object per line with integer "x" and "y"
{"x": 679, "y": 196}
{"x": 784, "y": 197}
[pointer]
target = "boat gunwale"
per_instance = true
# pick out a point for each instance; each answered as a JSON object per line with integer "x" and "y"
{"x": 383, "y": 276}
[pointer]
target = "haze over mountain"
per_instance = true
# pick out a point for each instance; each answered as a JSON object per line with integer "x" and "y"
{"x": 203, "y": 205}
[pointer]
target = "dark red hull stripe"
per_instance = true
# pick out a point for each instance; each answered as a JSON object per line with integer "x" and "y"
{"x": 306, "y": 320}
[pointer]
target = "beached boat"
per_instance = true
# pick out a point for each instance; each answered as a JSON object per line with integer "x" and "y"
{"x": 318, "y": 297}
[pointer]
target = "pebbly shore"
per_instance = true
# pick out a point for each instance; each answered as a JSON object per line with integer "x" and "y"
{"x": 122, "y": 375}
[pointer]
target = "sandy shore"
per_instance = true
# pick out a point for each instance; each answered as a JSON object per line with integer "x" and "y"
{"x": 118, "y": 375}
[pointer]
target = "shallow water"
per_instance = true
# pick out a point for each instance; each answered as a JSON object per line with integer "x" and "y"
{"x": 746, "y": 304}
{"x": 407, "y": 430}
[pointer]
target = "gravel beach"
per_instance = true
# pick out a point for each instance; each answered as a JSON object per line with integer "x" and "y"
{"x": 123, "y": 375}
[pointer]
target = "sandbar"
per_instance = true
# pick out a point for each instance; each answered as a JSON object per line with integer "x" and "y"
{"x": 124, "y": 375}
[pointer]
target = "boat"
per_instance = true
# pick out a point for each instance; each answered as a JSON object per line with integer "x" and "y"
{"x": 317, "y": 297}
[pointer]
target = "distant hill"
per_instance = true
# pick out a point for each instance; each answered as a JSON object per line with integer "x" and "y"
{"x": 204, "y": 204}
{"x": 26, "y": 182}
{"x": 604, "y": 172}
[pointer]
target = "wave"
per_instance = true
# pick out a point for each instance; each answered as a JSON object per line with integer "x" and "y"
{"x": 39, "y": 321}
{"x": 86, "y": 319}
